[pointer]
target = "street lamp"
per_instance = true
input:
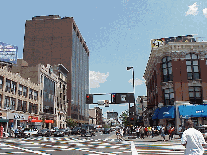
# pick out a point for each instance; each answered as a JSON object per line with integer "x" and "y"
{"x": 128, "y": 68}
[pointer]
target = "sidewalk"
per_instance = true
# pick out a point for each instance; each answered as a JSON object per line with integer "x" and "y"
{"x": 157, "y": 138}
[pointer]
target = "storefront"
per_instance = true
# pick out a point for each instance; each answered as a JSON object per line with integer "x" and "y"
{"x": 165, "y": 115}
{"x": 197, "y": 113}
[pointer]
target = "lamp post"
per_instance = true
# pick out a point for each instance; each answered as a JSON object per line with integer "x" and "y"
{"x": 128, "y": 68}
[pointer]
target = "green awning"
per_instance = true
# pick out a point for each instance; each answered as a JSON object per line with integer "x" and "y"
{"x": 4, "y": 120}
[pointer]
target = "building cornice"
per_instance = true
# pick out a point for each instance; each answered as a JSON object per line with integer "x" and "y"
{"x": 177, "y": 50}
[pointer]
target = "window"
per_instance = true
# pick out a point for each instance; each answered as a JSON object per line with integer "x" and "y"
{"x": 8, "y": 86}
{"x": 35, "y": 108}
{"x": 13, "y": 104}
{"x": 169, "y": 96}
{"x": 195, "y": 95}
{"x": 0, "y": 100}
{"x": 14, "y": 87}
{"x": 30, "y": 107}
{"x": 6, "y": 102}
{"x": 35, "y": 95}
{"x": 192, "y": 65}
{"x": 25, "y": 91}
{"x": 30, "y": 94}
{"x": 19, "y": 108}
{"x": 20, "y": 90}
{"x": 24, "y": 106}
{"x": 1, "y": 82}
{"x": 167, "y": 69}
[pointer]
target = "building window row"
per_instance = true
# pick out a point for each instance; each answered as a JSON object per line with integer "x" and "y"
{"x": 167, "y": 69}
{"x": 169, "y": 96}
{"x": 192, "y": 66}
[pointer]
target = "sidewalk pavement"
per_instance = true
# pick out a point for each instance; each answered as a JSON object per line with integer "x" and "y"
{"x": 157, "y": 138}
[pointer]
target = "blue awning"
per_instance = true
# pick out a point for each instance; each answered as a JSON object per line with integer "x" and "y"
{"x": 193, "y": 110}
{"x": 156, "y": 112}
{"x": 167, "y": 112}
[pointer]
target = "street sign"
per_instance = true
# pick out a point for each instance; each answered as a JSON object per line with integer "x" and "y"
{"x": 101, "y": 102}
{"x": 106, "y": 103}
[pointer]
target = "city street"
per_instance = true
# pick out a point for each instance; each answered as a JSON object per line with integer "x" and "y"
{"x": 99, "y": 144}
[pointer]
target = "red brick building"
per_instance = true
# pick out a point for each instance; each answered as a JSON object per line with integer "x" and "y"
{"x": 55, "y": 40}
{"x": 176, "y": 79}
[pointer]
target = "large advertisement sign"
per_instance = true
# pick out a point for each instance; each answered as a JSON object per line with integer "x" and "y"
{"x": 8, "y": 53}
{"x": 155, "y": 43}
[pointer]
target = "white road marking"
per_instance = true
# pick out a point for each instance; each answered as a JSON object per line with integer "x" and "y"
{"x": 133, "y": 149}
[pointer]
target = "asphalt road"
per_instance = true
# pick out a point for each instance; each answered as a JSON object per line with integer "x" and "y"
{"x": 74, "y": 144}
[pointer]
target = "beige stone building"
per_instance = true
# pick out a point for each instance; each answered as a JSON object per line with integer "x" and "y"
{"x": 19, "y": 98}
{"x": 53, "y": 86}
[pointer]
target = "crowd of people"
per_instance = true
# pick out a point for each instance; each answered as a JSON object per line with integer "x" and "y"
{"x": 146, "y": 131}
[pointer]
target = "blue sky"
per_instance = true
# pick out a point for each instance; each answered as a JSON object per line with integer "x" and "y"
{"x": 117, "y": 33}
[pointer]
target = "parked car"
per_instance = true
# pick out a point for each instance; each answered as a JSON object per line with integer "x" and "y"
{"x": 76, "y": 130}
{"x": 44, "y": 132}
{"x": 88, "y": 130}
{"x": 53, "y": 130}
{"x": 106, "y": 130}
{"x": 5, "y": 134}
{"x": 30, "y": 132}
{"x": 68, "y": 131}
{"x": 59, "y": 132}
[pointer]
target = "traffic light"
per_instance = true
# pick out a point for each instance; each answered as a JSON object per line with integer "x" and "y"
{"x": 89, "y": 98}
{"x": 113, "y": 98}
{"x": 132, "y": 119}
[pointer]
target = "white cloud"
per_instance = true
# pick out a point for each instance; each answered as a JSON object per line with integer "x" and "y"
{"x": 192, "y": 10}
{"x": 136, "y": 81}
{"x": 95, "y": 78}
{"x": 205, "y": 12}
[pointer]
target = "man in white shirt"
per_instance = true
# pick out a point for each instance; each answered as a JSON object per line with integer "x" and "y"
{"x": 193, "y": 140}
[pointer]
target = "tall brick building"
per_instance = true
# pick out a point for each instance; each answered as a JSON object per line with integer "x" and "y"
{"x": 54, "y": 40}
{"x": 176, "y": 80}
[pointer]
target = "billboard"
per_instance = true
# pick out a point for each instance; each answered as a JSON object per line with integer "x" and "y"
{"x": 155, "y": 43}
{"x": 112, "y": 115}
{"x": 8, "y": 53}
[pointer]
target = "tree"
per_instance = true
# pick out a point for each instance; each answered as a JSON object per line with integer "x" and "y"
{"x": 123, "y": 117}
{"x": 71, "y": 123}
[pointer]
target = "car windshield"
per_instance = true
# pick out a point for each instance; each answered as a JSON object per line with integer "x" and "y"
{"x": 106, "y": 129}
{"x": 43, "y": 130}
{"x": 61, "y": 130}
{"x": 76, "y": 128}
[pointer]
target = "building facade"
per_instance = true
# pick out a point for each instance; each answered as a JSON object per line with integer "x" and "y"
{"x": 54, "y": 40}
{"x": 176, "y": 80}
{"x": 53, "y": 85}
{"x": 141, "y": 108}
{"x": 19, "y": 99}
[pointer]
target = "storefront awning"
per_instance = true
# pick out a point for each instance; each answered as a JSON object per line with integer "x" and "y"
{"x": 156, "y": 112}
{"x": 46, "y": 121}
{"x": 193, "y": 110}
{"x": 167, "y": 112}
{"x": 4, "y": 120}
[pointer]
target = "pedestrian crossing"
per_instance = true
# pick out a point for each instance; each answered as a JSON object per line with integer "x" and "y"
{"x": 161, "y": 148}
{"x": 47, "y": 145}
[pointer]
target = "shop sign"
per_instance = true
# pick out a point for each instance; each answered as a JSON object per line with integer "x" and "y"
{"x": 199, "y": 111}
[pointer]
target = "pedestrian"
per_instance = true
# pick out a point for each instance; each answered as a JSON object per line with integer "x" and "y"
{"x": 137, "y": 132}
{"x": 142, "y": 132}
{"x": 118, "y": 133}
{"x": 192, "y": 139}
{"x": 172, "y": 130}
{"x": 145, "y": 131}
{"x": 163, "y": 133}
{"x": 121, "y": 133}
{"x": 153, "y": 130}
{"x": 180, "y": 130}
{"x": 149, "y": 130}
